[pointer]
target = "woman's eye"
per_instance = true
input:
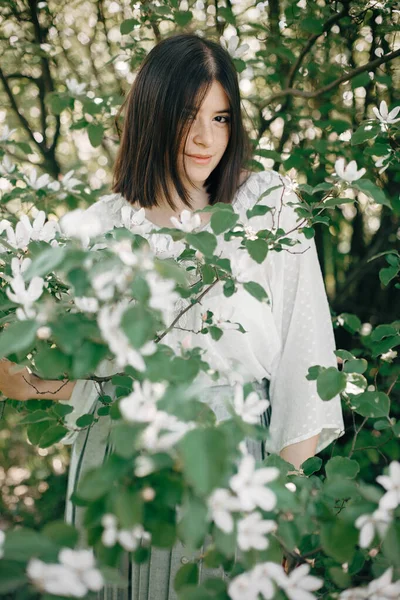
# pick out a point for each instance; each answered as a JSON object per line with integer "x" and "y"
{"x": 227, "y": 119}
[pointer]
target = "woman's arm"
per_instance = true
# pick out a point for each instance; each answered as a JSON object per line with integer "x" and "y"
{"x": 297, "y": 453}
{"x": 20, "y": 384}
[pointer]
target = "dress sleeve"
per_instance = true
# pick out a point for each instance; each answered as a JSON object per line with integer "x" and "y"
{"x": 302, "y": 318}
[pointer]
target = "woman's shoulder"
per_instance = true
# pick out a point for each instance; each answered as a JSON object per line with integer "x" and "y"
{"x": 108, "y": 210}
{"x": 254, "y": 184}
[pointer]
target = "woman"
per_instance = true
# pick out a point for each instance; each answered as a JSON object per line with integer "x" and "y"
{"x": 184, "y": 146}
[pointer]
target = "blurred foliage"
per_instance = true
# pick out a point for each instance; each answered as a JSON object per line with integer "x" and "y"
{"x": 310, "y": 78}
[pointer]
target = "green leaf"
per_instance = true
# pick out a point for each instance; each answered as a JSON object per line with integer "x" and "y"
{"x": 372, "y": 190}
{"x": 256, "y": 290}
{"x": 193, "y": 525}
{"x": 128, "y": 25}
{"x": 129, "y": 507}
{"x": 361, "y": 134}
{"x": 312, "y": 25}
{"x": 371, "y": 404}
{"x": 95, "y": 484}
{"x": 357, "y": 365}
{"x": 204, "y": 241}
{"x": 204, "y": 457}
{"x": 311, "y": 465}
{"x": 85, "y": 420}
{"x": 223, "y": 220}
{"x": 351, "y": 322}
{"x": 21, "y": 544}
{"x": 52, "y": 435}
{"x": 339, "y": 539}
{"x": 12, "y": 576}
{"x": 36, "y": 430}
{"x": 138, "y": 325}
{"x": 61, "y": 533}
{"x": 45, "y": 262}
{"x": 87, "y": 358}
{"x": 258, "y": 249}
{"x": 343, "y": 467}
{"x": 391, "y": 544}
{"x": 17, "y": 337}
{"x": 51, "y": 363}
{"x": 95, "y": 132}
{"x": 187, "y": 574}
{"x": 330, "y": 382}
{"x": 183, "y": 17}
{"x": 36, "y": 417}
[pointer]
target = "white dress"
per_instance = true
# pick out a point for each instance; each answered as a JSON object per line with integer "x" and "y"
{"x": 282, "y": 340}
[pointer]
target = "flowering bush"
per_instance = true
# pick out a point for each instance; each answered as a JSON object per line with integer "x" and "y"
{"x": 75, "y": 303}
{"x": 72, "y": 297}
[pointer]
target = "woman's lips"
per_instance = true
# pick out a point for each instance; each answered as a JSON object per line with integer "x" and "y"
{"x": 200, "y": 160}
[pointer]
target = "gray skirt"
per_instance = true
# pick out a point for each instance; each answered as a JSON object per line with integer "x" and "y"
{"x": 153, "y": 579}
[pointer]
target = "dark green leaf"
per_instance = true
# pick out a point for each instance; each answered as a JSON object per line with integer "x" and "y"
{"x": 330, "y": 382}
{"x": 17, "y": 337}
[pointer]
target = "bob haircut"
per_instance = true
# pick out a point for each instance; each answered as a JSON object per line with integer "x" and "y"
{"x": 170, "y": 86}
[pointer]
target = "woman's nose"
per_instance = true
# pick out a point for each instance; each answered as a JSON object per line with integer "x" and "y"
{"x": 203, "y": 133}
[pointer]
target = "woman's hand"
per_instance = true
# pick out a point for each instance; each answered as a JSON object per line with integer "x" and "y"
{"x": 18, "y": 383}
{"x": 15, "y": 381}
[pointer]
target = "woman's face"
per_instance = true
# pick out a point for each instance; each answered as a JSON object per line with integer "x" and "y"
{"x": 208, "y": 136}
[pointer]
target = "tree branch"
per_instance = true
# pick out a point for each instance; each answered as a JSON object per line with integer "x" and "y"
{"x": 330, "y": 86}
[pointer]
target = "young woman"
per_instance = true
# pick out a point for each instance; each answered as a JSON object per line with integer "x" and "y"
{"x": 184, "y": 146}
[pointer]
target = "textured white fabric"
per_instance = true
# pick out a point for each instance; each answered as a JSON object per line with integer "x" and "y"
{"x": 283, "y": 338}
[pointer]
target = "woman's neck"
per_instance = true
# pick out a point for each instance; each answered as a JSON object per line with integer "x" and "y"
{"x": 161, "y": 215}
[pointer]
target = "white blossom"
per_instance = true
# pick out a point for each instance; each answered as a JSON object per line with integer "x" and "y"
{"x": 109, "y": 321}
{"x": 378, "y": 521}
{"x": 144, "y": 465}
{"x": 221, "y": 317}
{"x": 69, "y": 182}
{"x": 354, "y": 594}
{"x": 83, "y": 563}
{"x": 74, "y": 576}
{"x": 244, "y": 587}
{"x": 250, "y": 233}
{"x": 35, "y": 182}
{"x": 106, "y": 283}
{"x": 80, "y": 225}
{"x": 391, "y": 483}
{"x": 164, "y": 432}
{"x": 252, "y": 531}
{"x": 379, "y": 163}
{"x": 6, "y": 133}
{"x": 25, "y": 296}
{"x": 299, "y": 584}
{"x": 75, "y": 88}
{"x": 129, "y": 539}
{"x": 249, "y": 485}
{"x": 232, "y": 45}
{"x": 123, "y": 249}
{"x": 221, "y": 504}
{"x": 382, "y": 588}
{"x": 141, "y": 404}
{"x": 249, "y": 408}
{"x": 384, "y": 116}
{"x": 389, "y": 356}
{"x": 39, "y": 230}
{"x": 6, "y": 166}
{"x": 187, "y": 222}
{"x": 350, "y": 172}
{"x": 162, "y": 294}
{"x": 260, "y": 580}
{"x": 87, "y": 304}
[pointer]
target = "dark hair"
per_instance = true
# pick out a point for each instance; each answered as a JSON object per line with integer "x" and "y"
{"x": 173, "y": 80}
